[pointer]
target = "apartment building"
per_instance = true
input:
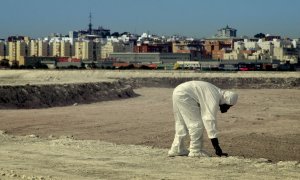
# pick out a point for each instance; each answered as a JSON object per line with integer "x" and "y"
{"x": 153, "y": 47}
{"x": 84, "y": 50}
{"x": 122, "y": 46}
{"x": 55, "y": 49}
{"x": 33, "y": 48}
{"x": 17, "y": 50}
{"x": 234, "y": 55}
{"x": 97, "y": 50}
{"x": 266, "y": 47}
{"x": 38, "y": 48}
{"x": 226, "y": 32}
{"x": 286, "y": 54}
{"x": 43, "y": 48}
{"x": 66, "y": 49}
{"x": 2, "y": 50}
{"x": 262, "y": 49}
{"x": 180, "y": 47}
{"x": 61, "y": 49}
{"x": 106, "y": 49}
{"x": 215, "y": 48}
{"x": 195, "y": 48}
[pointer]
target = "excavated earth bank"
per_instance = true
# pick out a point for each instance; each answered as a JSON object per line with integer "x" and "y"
{"x": 43, "y": 96}
{"x": 42, "y": 89}
{"x": 222, "y": 82}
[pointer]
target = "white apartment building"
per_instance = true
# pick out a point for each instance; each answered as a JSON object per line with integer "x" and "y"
{"x": 33, "y": 47}
{"x": 17, "y": 51}
{"x": 107, "y": 49}
{"x": 61, "y": 48}
{"x": 226, "y": 32}
{"x": 84, "y": 50}
{"x": 296, "y": 43}
{"x": 54, "y": 47}
{"x": 266, "y": 46}
{"x": 234, "y": 55}
{"x": 57, "y": 39}
{"x": 258, "y": 55}
{"x": 65, "y": 49}
{"x": 251, "y": 45}
{"x": 43, "y": 48}
{"x": 38, "y": 48}
{"x": 286, "y": 54}
{"x": 284, "y": 51}
{"x": 278, "y": 49}
{"x": 239, "y": 45}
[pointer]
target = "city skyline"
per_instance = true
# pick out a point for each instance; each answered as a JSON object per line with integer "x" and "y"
{"x": 192, "y": 18}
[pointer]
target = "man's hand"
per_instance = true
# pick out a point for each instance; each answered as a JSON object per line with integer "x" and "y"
{"x": 219, "y": 152}
{"x": 218, "y": 149}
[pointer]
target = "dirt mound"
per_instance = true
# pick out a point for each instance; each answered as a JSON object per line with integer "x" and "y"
{"x": 222, "y": 82}
{"x": 43, "y": 96}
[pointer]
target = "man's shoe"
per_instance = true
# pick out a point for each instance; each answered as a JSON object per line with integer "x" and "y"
{"x": 199, "y": 154}
{"x": 182, "y": 153}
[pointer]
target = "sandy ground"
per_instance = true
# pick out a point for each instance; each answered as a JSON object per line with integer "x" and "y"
{"x": 129, "y": 139}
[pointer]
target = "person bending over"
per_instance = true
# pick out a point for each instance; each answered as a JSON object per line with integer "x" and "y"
{"x": 195, "y": 106}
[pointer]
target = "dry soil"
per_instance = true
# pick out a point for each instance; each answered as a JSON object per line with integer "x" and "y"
{"x": 129, "y": 139}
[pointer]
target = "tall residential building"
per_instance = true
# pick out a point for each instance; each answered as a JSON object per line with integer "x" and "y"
{"x": 17, "y": 50}
{"x": 38, "y": 48}
{"x": 43, "y": 48}
{"x": 97, "y": 50}
{"x": 107, "y": 49}
{"x": 12, "y": 51}
{"x": 55, "y": 48}
{"x": 84, "y": 50}
{"x": 226, "y": 32}
{"x": 60, "y": 48}
{"x": 73, "y": 34}
{"x": 66, "y": 49}
{"x": 33, "y": 48}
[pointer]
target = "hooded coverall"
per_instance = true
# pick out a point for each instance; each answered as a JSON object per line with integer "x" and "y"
{"x": 195, "y": 106}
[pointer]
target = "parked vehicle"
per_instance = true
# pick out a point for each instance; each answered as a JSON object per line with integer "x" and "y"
{"x": 228, "y": 67}
{"x": 246, "y": 67}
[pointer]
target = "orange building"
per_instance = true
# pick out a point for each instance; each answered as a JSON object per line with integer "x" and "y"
{"x": 215, "y": 48}
{"x": 157, "y": 48}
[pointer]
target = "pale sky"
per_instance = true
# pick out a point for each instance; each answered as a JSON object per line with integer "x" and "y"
{"x": 192, "y": 18}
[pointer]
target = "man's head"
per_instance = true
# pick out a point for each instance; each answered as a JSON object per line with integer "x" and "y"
{"x": 228, "y": 99}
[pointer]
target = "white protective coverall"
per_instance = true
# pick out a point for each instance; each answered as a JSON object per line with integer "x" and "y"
{"x": 195, "y": 106}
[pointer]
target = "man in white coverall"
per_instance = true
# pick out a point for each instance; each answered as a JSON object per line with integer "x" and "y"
{"x": 195, "y": 106}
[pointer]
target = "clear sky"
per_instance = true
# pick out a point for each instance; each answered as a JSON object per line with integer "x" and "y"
{"x": 193, "y": 18}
